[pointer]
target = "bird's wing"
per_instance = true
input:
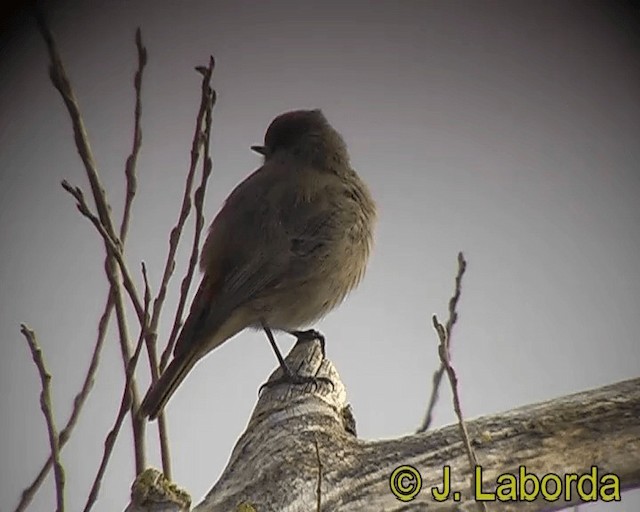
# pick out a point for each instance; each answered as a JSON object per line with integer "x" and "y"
{"x": 249, "y": 248}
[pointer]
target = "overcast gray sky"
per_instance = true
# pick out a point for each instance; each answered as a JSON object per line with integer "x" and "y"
{"x": 506, "y": 129}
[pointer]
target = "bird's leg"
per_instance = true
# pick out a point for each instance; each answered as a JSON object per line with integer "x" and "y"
{"x": 288, "y": 376}
{"x": 283, "y": 364}
{"x": 310, "y": 335}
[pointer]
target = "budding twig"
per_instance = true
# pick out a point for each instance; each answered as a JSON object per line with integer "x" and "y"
{"x": 47, "y": 410}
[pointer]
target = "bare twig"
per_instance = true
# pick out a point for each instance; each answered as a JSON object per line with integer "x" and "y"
{"x": 130, "y": 166}
{"x": 113, "y": 245}
{"x": 114, "y": 252}
{"x": 78, "y": 402}
{"x": 147, "y": 291}
{"x": 443, "y": 352}
{"x": 62, "y": 83}
{"x": 165, "y": 453}
{"x": 150, "y": 335}
{"x": 200, "y": 139}
{"x": 206, "y": 103}
{"x": 444, "y": 334}
{"x": 114, "y": 249}
{"x": 47, "y": 410}
{"x": 437, "y": 375}
{"x": 125, "y": 403}
{"x": 199, "y": 225}
{"x": 436, "y": 380}
{"x": 137, "y": 423}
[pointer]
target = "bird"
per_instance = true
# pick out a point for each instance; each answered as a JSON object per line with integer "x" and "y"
{"x": 288, "y": 245}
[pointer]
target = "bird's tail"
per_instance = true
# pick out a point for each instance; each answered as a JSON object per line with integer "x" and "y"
{"x": 162, "y": 390}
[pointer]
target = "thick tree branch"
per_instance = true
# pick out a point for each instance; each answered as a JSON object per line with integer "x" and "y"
{"x": 274, "y": 465}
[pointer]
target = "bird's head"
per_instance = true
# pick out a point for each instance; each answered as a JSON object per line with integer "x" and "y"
{"x": 305, "y": 134}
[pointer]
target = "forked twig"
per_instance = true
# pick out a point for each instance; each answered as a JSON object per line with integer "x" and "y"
{"x": 200, "y": 138}
{"x": 61, "y": 82}
{"x": 199, "y": 224}
{"x": 125, "y": 403}
{"x": 438, "y": 374}
{"x": 444, "y": 334}
{"x": 113, "y": 245}
{"x": 114, "y": 297}
{"x": 28, "y": 494}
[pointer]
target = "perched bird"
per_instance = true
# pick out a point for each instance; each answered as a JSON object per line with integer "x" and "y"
{"x": 291, "y": 241}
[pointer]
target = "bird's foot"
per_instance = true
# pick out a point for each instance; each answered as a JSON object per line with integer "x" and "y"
{"x": 297, "y": 380}
{"x": 310, "y": 335}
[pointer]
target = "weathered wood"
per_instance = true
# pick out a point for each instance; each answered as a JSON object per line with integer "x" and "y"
{"x": 152, "y": 492}
{"x": 300, "y": 452}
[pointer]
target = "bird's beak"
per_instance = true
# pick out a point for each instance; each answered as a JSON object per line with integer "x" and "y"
{"x": 262, "y": 150}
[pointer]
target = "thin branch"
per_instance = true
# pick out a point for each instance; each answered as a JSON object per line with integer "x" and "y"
{"x": 147, "y": 291}
{"x": 78, "y": 402}
{"x": 63, "y": 85}
{"x": 200, "y": 139}
{"x": 445, "y": 357}
{"x": 112, "y": 244}
{"x": 444, "y": 334}
{"x": 436, "y": 380}
{"x": 61, "y": 82}
{"x": 130, "y": 166}
{"x": 176, "y": 232}
{"x": 165, "y": 453}
{"x": 437, "y": 375}
{"x": 45, "y": 405}
{"x": 125, "y": 403}
{"x": 137, "y": 423}
{"x": 199, "y": 225}
{"x": 453, "y": 301}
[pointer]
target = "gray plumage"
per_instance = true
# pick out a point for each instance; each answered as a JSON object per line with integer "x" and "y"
{"x": 291, "y": 241}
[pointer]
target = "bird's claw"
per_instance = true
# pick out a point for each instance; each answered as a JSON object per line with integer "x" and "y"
{"x": 297, "y": 380}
